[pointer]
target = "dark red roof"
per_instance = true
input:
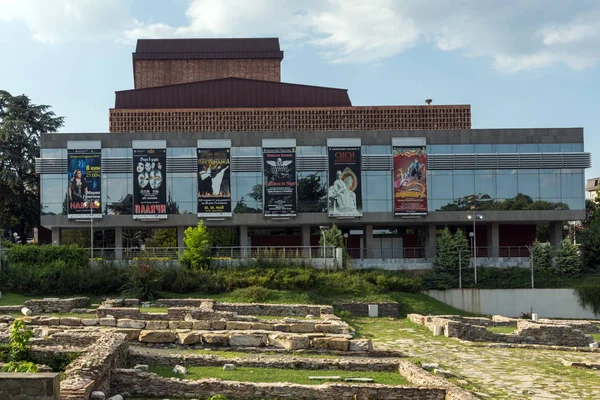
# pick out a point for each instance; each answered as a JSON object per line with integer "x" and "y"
{"x": 189, "y": 49}
{"x": 232, "y": 93}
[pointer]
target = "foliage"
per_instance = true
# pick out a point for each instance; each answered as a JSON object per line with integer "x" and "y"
{"x": 446, "y": 259}
{"x": 20, "y": 366}
{"x": 312, "y": 194}
{"x": 333, "y": 237}
{"x": 19, "y": 340}
{"x": 165, "y": 237}
{"x": 254, "y": 294}
{"x": 542, "y": 256}
{"x": 567, "y": 259}
{"x": 589, "y": 236}
{"x": 57, "y": 361}
{"x": 519, "y": 202}
{"x": 223, "y": 237}
{"x": 588, "y": 296}
{"x": 462, "y": 246}
{"x": 21, "y": 124}
{"x": 143, "y": 283}
{"x": 197, "y": 247}
{"x": 218, "y": 397}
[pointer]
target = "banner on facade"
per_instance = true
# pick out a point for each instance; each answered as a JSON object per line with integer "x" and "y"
{"x": 214, "y": 183}
{"x": 279, "y": 182}
{"x": 149, "y": 183}
{"x": 410, "y": 180}
{"x": 345, "y": 190}
{"x": 85, "y": 181}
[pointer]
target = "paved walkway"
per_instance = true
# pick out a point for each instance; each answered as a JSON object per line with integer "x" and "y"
{"x": 500, "y": 373}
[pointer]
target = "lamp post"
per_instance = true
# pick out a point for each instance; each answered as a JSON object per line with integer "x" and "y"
{"x": 323, "y": 228}
{"x": 91, "y": 205}
{"x": 459, "y": 249}
{"x": 530, "y": 248}
{"x": 474, "y": 217}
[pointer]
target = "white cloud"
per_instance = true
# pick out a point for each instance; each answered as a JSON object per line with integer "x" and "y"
{"x": 52, "y": 21}
{"x": 515, "y": 35}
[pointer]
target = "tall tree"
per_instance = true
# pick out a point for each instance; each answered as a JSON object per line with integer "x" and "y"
{"x": 21, "y": 124}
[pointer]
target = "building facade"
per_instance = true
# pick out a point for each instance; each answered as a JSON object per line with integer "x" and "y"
{"x": 210, "y": 133}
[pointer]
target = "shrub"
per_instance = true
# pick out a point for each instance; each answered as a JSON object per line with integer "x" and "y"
{"x": 253, "y": 294}
{"x": 542, "y": 256}
{"x": 19, "y": 341}
{"x": 197, "y": 247}
{"x": 446, "y": 259}
{"x": 143, "y": 283}
{"x": 20, "y": 366}
{"x": 567, "y": 259}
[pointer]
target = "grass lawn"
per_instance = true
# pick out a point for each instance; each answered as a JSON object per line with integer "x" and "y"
{"x": 14, "y": 299}
{"x": 596, "y": 336}
{"x": 501, "y": 329}
{"x": 247, "y": 374}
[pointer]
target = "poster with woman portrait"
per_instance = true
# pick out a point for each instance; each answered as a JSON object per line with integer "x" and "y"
{"x": 214, "y": 183}
{"x": 149, "y": 183}
{"x": 344, "y": 196}
{"x": 84, "y": 183}
{"x": 410, "y": 180}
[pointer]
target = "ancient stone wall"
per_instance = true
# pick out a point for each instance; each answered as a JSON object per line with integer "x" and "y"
{"x": 93, "y": 369}
{"x": 56, "y": 305}
{"x": 274, "y": 309}
{"x": 388, "y": 309}
{"x": 166, "y": 303}
{"x": 144, "y": 383}
{"x": 419, "y": 377}
{"x": 121, "y": 303}
{"x": 24, "y": 386}
{"x": 557, "y": 335}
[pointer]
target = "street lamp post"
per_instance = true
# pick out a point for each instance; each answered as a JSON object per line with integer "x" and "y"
{"x": 322, "y": 228}
{"x": 530, "y": 248}
{"x": 459, "y": 249}
{"x": 91, "y": 205}
{"x": 474, "y": 217}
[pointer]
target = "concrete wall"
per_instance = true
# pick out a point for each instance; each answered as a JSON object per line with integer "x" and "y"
{"x": 547, "y": 303}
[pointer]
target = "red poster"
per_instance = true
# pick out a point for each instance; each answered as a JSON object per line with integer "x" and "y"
{"x": 410, "y": 180}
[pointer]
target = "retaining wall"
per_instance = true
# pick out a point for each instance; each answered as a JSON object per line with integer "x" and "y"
{"x": 25, "y": 386}
{"x": 388, "y": 309}
{"x": 56, "y": 305}
{"x": 282, "y": 310}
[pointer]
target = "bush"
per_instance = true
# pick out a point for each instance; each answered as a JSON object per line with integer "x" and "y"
{"x": 542, "y": 256}
{"x": 253, "y": 294}
{"x": 567, "y": 259}
{"x": 143, "y": 283}
{"x": 589, "y": 297}
{"x": 20, "y": 366}
{"x": 197, "y": 247}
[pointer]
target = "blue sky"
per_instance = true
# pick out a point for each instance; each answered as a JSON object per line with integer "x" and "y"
{"x": 519, "y": 64}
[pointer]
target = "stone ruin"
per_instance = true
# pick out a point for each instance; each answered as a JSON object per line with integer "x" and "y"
{"x": 542, "y": 332}
{"x": 112, "y": 340}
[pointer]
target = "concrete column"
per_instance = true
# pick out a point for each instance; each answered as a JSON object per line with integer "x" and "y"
{"x": 56, "y": 236}
{"x": 368, "y": 253}
{"x": 493, "y": 239}
{"x": 556, "y": 234}
{"x": 305, "y": 234}
{"x": 431, "y": 241}
{"x": 118, "y": 243}
{"x": 180, "y": 243}
{"x": 244, "y": 240}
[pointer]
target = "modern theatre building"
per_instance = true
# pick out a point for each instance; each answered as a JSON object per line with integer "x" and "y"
{"x": 210, "y": 132}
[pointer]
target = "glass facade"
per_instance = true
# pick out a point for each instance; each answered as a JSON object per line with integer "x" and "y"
{"x": 444, "y": 186}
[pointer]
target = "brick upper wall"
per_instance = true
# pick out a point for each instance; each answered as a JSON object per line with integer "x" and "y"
{"x": 290, "y": 119}
{"x": 152, "y": 73}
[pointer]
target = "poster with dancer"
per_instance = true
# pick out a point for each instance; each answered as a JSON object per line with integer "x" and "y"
{"x": 345, "y": 191}
{"x": 84, "y": 183}
{"x": 214, "y": 183}
{"x": 149, "y": 183}
{"x": 410, "y": 180}
{"x": 279, "y": 182}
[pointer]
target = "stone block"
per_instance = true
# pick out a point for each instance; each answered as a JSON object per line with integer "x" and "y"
{"x": 189, "y": 338}
{"x": 157, "y": 336}
{"x": 201, "y": 325}
{"x": 229, "y": 367}
{"x": 281, "y": 327}
{"x": 179, "y": 369}
{"x": 328, "y": 328}
{"x": 338, "y": 344}
{"x": 97, "y": 396}
{"x": 302, "y": 327}
{"x": 289, "y": 342}
{"x": 70, "y": 321}
{"x": 262, "y": 326}
{"x": 319, "y": 343}
{"x": 89, "y": 321}
{"x": 238, "y": 325}
{"x": 180, "y": 324}
{"x": 247, "y": 340}
{"x": 361, "y": 345}
{"x": 107, "y": 322}
{"x": 130, "y": 323}
{"x": 141, "y": 367}
{"x": 218, "y": 339}
{"x": 154, "y": 325}
{"x": 216, "y": 325}
{"x": 131, "y": 333}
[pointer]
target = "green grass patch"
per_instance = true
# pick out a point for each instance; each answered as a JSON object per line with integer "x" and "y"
{"x": 502, "y": 329}
{"x": 155, "y": 310}
{"x": 13, "y": 299}
{"x": 596, "y": 337}
{"x": 272, "y": 375}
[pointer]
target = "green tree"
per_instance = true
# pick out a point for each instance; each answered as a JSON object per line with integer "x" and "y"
{"x": 462, "y": 246}
{"x": 567, "y": 259}
{"x": 197, "y": 247}
{"x": 589, "y": 236}
{"x": 165, "y": 237}
{"x": 21, "y": 124}
{"x": 446, "y": 259}
{"x": 542, "y": 256}
{"x": 333, "y": 237}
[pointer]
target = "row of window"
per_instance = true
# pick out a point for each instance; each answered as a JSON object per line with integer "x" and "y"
{"x": 185, "y": 152}
{"x": 444, "y": 187}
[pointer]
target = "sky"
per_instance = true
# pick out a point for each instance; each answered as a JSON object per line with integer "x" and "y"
{"x": 519, "y": 64}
